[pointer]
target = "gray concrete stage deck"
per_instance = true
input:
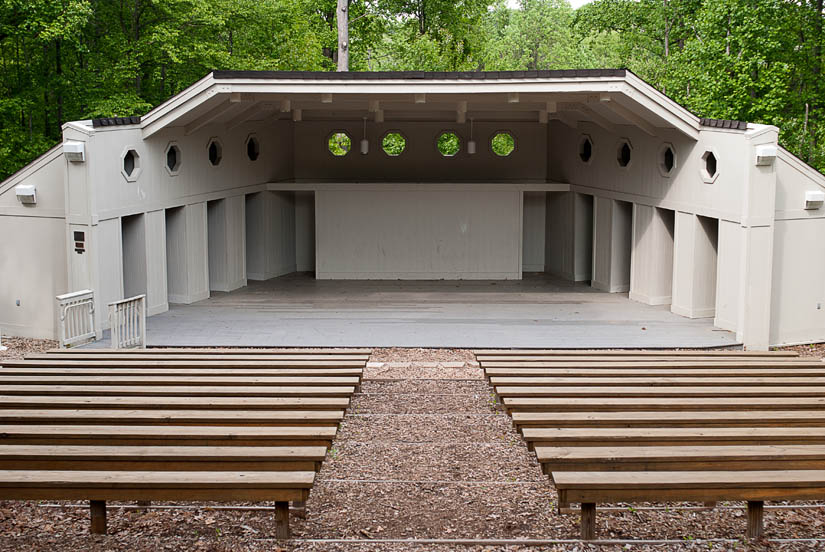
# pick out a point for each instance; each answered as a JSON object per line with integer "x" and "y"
{"x": 539, "y": 311}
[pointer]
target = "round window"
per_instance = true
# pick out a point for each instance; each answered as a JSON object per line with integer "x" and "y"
{"x": 394, "y": 143}
{"x": 503, "y": 144}
{"x": 449, "y": 144}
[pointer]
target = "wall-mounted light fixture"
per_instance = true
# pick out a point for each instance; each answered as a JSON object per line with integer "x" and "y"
{"x": 471, "y": 144}
{"x": 365, "y": 144}
{"x": 814, "y": 199}
{"x": 75, "y": 151}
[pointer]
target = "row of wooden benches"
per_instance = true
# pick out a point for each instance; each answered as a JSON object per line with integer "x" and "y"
{"x": 659, "y": 426}
{"x": 181, "y": 425}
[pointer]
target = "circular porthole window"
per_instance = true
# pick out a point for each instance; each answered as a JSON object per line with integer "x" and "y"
{"x": 448, "y": 144}
{"x": 709, "y": 167}
{"x": 253, "y": 148}
{"x": 172, "y": 159}
{"x": 130, "y": 164}
{"x": 394, "y": 143}
{"x": 339, "y": 144}
{"x": 585, "y": 149}
{"x": 667, "y": 159}
{"x": 624, "y": 153}
{"x": 503, "y": 144}
{"x": 214, "y": 152}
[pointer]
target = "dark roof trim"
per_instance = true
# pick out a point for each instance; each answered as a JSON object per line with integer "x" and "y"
{"x": 420, "y": 75}
{"x": 115, "y": 121}
{"x": 723, "y": 123}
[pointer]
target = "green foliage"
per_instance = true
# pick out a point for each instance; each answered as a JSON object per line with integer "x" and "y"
{"x": 448, "y": 144}
{"x": 393, "y": 143}
{"x": 65, "y": 60}
{"x": 340, "y": 144}
{"x": 503, "y": 144}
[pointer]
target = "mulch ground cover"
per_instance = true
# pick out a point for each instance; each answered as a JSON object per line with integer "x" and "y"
{"x": 417, "y": 456}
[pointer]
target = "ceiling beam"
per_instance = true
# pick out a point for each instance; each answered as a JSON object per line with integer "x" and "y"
{"x": 631, "y": 117}
{"x": 207, "y": 118}
{"x": 591, "y": 115}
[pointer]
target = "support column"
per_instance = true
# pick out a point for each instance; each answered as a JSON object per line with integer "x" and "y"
{"x": 611, "y": 245}
{"x": 651, "y": 274}
{"x": 156, "y": 283}
{"x": 270, "y": 235}
{"x": 569, "y": 236}
{"x": 694, "y": 266}
{"x": 187, "y": 253}
{"x": 227, "y": 244}
{"x": 282, "y": 520}
{"x": 755, "y": 513}
{"x": 728, "y": 277}
{"x": 588, "y": 521}
{"x": 97, "y": 510}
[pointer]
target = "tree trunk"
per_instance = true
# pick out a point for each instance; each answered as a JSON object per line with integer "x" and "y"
{"x": 343, "y": 35}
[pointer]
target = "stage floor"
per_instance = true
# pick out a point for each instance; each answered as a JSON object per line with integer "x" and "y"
{"x": 539, "y": 311}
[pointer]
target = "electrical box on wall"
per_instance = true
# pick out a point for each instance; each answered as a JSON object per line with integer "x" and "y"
{"x": 79, "y": 242}
{"x": 75, "y": 151}
{"x": 814, "y": 199}
{"x": 765, "y": 155}
{"x": 26, "y": 193}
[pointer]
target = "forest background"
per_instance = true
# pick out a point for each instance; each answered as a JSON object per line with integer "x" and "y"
{"x": 752, "y": 60}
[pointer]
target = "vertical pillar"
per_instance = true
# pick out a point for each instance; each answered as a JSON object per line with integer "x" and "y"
{"x": 755, "y": 514}
{"x": 611, "y": 245}
{"x": 651, "y": 273}
{"x": 227, "y": 244}
{"x": 97, "y": 510}
{"x": 270, "y": 234}
{"x": 728, "y": 277}
{"x": 282, "y": 520}
{"x": 694, "y": 266}
{"x": 156, "y": 289}
{"x": 109, "y": 285}
{"x": 588, "y": 521}
{"x": 187, "y": 253}
{"x": 569, "y": 236}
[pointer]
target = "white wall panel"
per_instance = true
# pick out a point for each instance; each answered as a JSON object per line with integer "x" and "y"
{"x": 418, "y": 234}
{"x": 534, "y": 231}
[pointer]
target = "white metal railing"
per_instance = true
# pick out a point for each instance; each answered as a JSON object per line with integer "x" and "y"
{"x": 76, "y": 313}
{"x": 127, "y": 319}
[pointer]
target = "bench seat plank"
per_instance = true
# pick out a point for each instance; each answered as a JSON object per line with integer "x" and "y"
{"x": 189, "y": 356}
{"x": 273, "y": 351}
{"x": 662, "y": 359}
{"x": 174, "y": 403}
{"x": 290, "y": 381}
{"x": 527, "y": 404}
{"x": 161, "y": 363}
{"x": 689, "y": 364}
{"x": 172, "y": 417}
{"x": 649, "y": 391}
{"x": 681, "y": 458}
{"x": 160, "y": 458}
{"x": 672, "y": 436}
{"x": 166, "y": 435}
{"x": 203, "y": 372}
{"x": 665, "y": 372}
{"x": 750, "y": 418}
{"x": 188, "y": 391}
{"x": 632, "y": 352}
{"x": 661, "y": 381}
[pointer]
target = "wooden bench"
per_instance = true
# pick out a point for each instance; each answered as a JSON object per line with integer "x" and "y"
{"x": 681, "y": 458}
{"x": 198, "y": 363}
{"x": 674, "y": 391}
{"x": 202, "y": 372}
{"x": 115, "y": 380}
{"x": 755, "y": 487}
{"x": 157, "y": 416}
{"x": 665, "y": 372}
{"x": 320, "y": 351}
{"x": 603, "y": 404}
{"x": 180, "y": 390}
{"x": 722, "y": 418}
{"x": 632, "y": 352}
{"x": 650, "y": 381}
{"x": 137, "y": 355}
{"x": 99, "y": 486}
{"x": 161, "y": 458}
{"x": 174, "y": 402}
{"x": 21, "y": 434}
{"x": 616, "y": 365}
{"x": 671, "y": 436}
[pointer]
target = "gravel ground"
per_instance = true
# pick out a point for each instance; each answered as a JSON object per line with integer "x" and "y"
{"x": 414, "y": 458}
{"x": 18, "y": 347}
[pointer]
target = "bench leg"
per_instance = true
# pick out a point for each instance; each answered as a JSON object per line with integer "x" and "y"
{"x": 755, "y": 511}
{"x": 710, "y": 504}
{"x": 282, "y": 520}
{"x": 97, "y": 509}
{"x": 588, "y": 523}
{"x": 144, "y": 504}
{"x": 300, "y": 508}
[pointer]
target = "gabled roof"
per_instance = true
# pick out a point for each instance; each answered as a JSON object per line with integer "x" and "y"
{"x": 421, "y": 75}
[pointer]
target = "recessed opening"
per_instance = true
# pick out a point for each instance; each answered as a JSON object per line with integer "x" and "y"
{"x": 449, "y": 144}
{"x": 133, "y": 246}
{"x": 215, "y": 153}
{"x": 585, "y": 150}
{"x": 394, "y": 144}
{"x": 668, "y": 159}
{"x": 173, "y": 158}
{"x": 623, "y": 154}
{"x": 253, "y": 149}
{"x": 710, "y": 164}
{"x": 339, "y": 144}
{"x": 503, "y": 144}
{"x": 130, "y": 162}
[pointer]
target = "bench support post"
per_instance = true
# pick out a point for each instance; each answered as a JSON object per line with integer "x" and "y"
{"x": 300, "y": 507}
{"x": 588, "y": 522}
{"x": 755, "y": 511}
{"x": 282, "y": 520}
{"x": 97, "y": 509}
